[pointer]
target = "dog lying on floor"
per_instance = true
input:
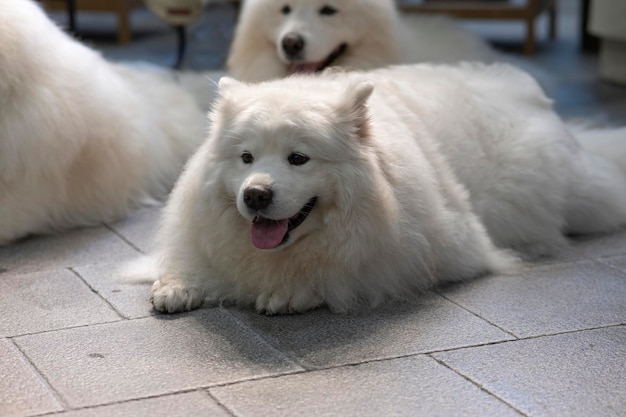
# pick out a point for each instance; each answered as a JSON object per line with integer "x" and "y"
{"x": 82, "y": 141}
{"x": 347, "y": 189}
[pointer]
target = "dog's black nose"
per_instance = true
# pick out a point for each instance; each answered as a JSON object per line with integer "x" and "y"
{"x": 293, "y": 44}
{"x": 257, "y": 197}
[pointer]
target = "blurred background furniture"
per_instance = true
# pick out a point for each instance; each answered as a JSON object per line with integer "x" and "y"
{"x": 178, "y": 14}
{"x": 121, "y": 8}
{"x": 523, "y": 10}
{"x": 607, "y": 21}
{"x": 588, "y": 41}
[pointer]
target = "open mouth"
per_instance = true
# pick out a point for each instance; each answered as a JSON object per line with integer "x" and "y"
{"x": 269, "y": 233}
{"x": 296, "y": 67}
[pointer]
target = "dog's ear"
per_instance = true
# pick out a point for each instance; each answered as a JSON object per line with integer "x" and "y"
{"x": 227, "y": 93}
{"x": 226, "y": 105}
{"x": 228, "y": 84}
{"x": 359, "y": 92}
{"x": 357, "y": 95}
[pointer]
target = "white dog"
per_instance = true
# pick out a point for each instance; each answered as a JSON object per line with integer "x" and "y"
{"x": 82, "y": 141}
{"x": 349, "y": 188}
{"x": 274, "y": 38}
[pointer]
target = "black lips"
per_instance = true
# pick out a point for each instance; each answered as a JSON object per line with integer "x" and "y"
{"x": 297, "y": 220}
{"x": 332, "y": 57}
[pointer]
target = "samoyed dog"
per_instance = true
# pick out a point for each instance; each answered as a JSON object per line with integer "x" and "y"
{"x": 82, "y": 140}
{"x": 274, "y": 38}
{"x": 346, "y": 189}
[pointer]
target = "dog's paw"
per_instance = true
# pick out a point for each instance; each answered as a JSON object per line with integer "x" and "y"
{"x": 277, "y": 303}
{"x": 173, "y": 297}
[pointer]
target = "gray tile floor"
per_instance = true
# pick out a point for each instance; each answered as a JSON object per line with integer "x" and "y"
{"x": 548, "y": 341}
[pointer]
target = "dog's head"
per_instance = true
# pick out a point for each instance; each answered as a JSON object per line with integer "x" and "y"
{"x": 283, "y": 148}
{"x": 311, "y": 35}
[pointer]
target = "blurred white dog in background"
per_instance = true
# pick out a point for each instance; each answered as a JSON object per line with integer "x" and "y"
{"x": 82, "y": 140}
{"x": 275, "y": 38}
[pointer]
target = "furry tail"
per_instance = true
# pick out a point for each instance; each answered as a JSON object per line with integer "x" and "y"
{"x": 598, "y": 202}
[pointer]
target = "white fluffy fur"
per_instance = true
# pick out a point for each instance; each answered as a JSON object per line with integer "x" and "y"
{"x": 433, "y": 176}
{"x": 82, "y": 140}
{"x": 377, "y": 35}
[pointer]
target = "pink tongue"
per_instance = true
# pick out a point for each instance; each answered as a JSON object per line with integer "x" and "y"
{"x": 312, "y": 67}
{"x": 267, "y": 234}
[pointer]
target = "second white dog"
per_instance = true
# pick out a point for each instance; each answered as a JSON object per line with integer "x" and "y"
{"x": 275, "y": 38}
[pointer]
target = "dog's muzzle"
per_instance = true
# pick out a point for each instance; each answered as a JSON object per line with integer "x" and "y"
{"x": 266, "y": 233}
{"x": 298, "y": 66}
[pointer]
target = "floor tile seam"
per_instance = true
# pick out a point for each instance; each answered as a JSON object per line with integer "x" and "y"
{"x": 208, "y": 386}
{"x": 219, "y": 403}
{"x": 67, "y": 328}
{"x": 98, "y": 324}
{"x": 312, "y": 370}
{"x": 502, "y": 329}
{"x": 315, "y": 368}
{"x": 97, "y": 293}
{"x": 259, "y": 378}
{"x": 563, "y": 332}
{"x": 531, "y": 337}
{"x": 470, "y": 346}
{"x": 309, "y": 367}
{"x": 23, "y": 269}
{"x": 478, "y": 385}
{"x": 289, "y": 354}
{"x": 123, "y": 238}
{"x": 40, "y": 376}
{"x": 201, "y": 390}
{"x": 204, "y": 390}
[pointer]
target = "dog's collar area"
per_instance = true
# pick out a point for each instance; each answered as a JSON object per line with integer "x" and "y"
{"x": 297, "y": 220}
{"x": 333, "y": 56}
{"x": 269, "y": 234}
{"x": 296, "y": 67}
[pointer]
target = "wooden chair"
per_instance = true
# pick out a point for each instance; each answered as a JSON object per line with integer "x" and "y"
{"x": 122, "y": 8}
{"x": 524, "y": 10}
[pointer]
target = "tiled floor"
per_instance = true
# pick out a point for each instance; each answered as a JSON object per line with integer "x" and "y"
{"x": 548, "y": 341}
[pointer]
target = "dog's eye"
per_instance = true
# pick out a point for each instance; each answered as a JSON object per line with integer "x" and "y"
{"x": 247, "y": 158}
{"x": 286, "y": 9}
{"x": 328, "y": 10}
{"x": 297, "y": 159}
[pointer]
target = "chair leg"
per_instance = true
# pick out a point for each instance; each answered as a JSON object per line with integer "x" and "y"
{"x": 123, "y": 29}
{"x": 181, "y": 35}
{"x": 552, "y": 21}
{"x": 529, "y": 44}
{"x": 71, "y": 16}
